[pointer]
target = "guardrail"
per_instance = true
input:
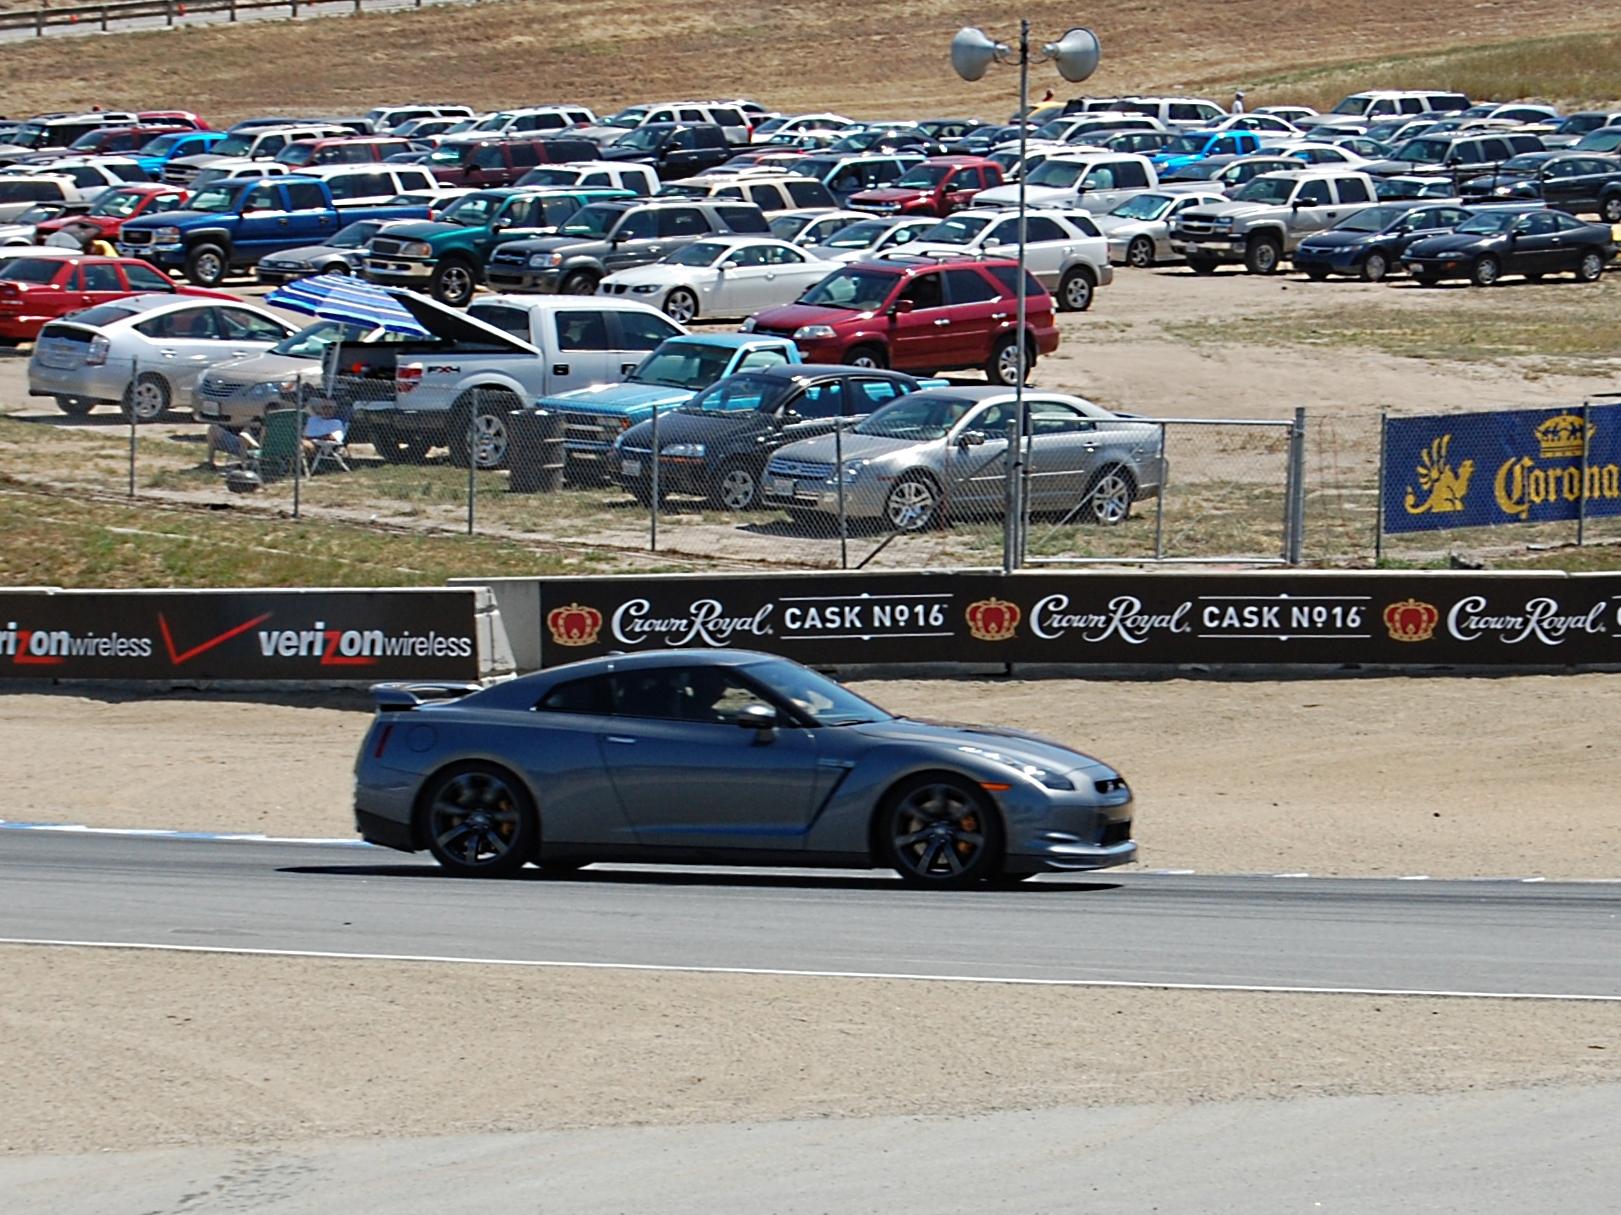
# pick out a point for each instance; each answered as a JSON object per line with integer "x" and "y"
{"x": 41, "y": 19}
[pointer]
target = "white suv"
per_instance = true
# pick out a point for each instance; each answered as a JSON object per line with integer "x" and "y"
{"x": 1175, "y": 112}
{"x": 1376, "y": 105}
{"x": 1090, "y": 181}
{"x": 1064, "y": 249}
{"x": 534, "y": 118}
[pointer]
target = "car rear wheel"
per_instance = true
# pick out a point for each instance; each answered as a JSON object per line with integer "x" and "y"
{"x": 453, "y": 283}
{"x": 1108, "y": 502}
{"x": 867, "y": 356}
{"x": 1374, "y": 267}
{"x": 736, "y": 488}
{"x": 1486, "y": 272}
{"x": 147, "y": 399}
{"x": 681, "y": 306}
{"x": 205, "y": 265}
{"x": 478, "y": 429}
{"x": 941, "y": 831}
{"x": 1003, "y": 365}
{"x": 1591, "y": 268}
{"x": 478, "y": 821}
{"x": 1610, "y": 209}
{"x": 1140, "y": 253}
{"x": 338, "y": 270}
{"x": 1262, "y": 255}
{"x": 1075, "y": 291}
{"x": 913, "y": 503}
{"x": 74, "y": 407}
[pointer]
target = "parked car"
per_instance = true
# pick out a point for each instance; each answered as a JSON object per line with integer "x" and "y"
{"x": 594, "y": 174}
{"x": 1569, "y": 181}
{"x": 1456, "y": 152}
{"x": 674, "y": 150}
{"x": 1063, "y": 249}
{"x": 774, "y": 193}
{"x": 721, "y": 276}
{"x": 105, "y": 218}
{"x": 144, "y": 352}
{"x": 863, "y": 239}
{"x": 486, "y": 162}
{"x": 1414, "y": 186}
{"x": 1605, "y": 139}
{"x": 345, "y": 253}
{"x": 340, "y": 150}
{"x": 813, "y": 228}
{"x": 1262, "y": 221}
{"x": 34, "y": 290}
{"x": 392, "y": 117}
{"x": 237, "y": 392}
{"x": 736, "y": 121}
{"x": 358, "y": 188}
{"x": 112, "y": 140}
{"x": 846, "y": 175}
{"x": 1086, "y": 181}
{"x": 716, "y": 446}
{"x": 19, "y": 194}
{"x": 20, "y": 230}
{"x": 605, "y": 237}
{"x": 1573, "y": 126}
{"x": 932, "y": 187}
{"x": 60, "y": 130}
{"x": 1369, "y": 243}
{"x": 798, "y": 125}
{"x": 1196, "y": 145}
{"x": 670, "y": 376}
{"x": 927, "y": 316}
{"x": 1493, "y": 243}
{"x": 1360, "y": 110}
{"x": 156, "y": 153}
{"x": 539, "y": 119}
{"x": 448, "y": 257}
{"x": 252, "y": 143}
{"x": 942, "y": 453}
{"x": 1228, "y": 172}
{"x": 1138, "y": 231}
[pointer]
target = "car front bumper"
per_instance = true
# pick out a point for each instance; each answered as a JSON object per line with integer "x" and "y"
{"x": 397, "y": 271}
{"x": 864, "y": 495}
{"x": 281, "y": 274}
{"x": 521, "y": 279}
{"x": 1223, "y": 248}
{"x": 165, "y": 257}
{"x": 1335, "y": 261}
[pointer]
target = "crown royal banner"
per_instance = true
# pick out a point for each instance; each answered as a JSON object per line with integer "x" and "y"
{"x": 1506, "y": 466}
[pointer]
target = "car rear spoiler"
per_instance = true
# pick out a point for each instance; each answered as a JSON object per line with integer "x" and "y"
{"x": 403, "y": 697}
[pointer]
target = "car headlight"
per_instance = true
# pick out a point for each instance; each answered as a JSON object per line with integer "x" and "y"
{"x": 537, "y": 260}
{"x": 747, "y": 326}
{"x": 684, "y": 451}
{"x": 646, "y": 288}
{"x": 416, "y": 248}
{"x": 1224, "y": 223}
{"x": 1503, "y": 190}
{"x": 165, "y": 236}
{"x": 1050, "y": 780}
{"x": 556, "y": 259}
{"x": 814, "y": 331}
{"x": 852, "y": 470}
{"x": 263, "y": 390}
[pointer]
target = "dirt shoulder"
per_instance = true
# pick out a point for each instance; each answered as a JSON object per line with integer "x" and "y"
{"x": 218, "y": 1049}
{"x": 1371, "y": 776}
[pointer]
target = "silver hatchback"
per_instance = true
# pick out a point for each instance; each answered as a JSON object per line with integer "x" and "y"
{"x": 942, "y": 454}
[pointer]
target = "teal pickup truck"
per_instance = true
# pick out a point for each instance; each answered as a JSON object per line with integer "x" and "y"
{"x": 446, "y": 258}
{"x": 678, "y": 370}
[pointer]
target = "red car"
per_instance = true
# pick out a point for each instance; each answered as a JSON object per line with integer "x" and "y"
{"x": 110, "y": 141}
{"x": 39, "y": 288}
{"x": 107, "y": 216}
{"x": 341, "y": 150}
{"x": 176, "y": 118}
{"x": 918, "y": 315}
{"x": 938, "y": 186}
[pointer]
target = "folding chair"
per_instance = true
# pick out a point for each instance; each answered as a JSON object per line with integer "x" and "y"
{"x": 278, "y": 446}
{"x": 331, "y": 451}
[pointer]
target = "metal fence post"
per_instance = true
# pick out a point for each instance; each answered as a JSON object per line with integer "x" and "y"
{"x": 1012, "y": 507}
{"x": 168, "y": 8}
{"x": 298, "y": 446}
{"x": 653, "y": 488}
{"x": 838, "y": 465}
{"x": 1159, "y": 500}
{"x": 1295, "y": 492}
{"x": 129, "y": 395}
{"x": 1581, "y": 499}
{"x": 1379, "y": 493}
{"x": 472, "y": 468}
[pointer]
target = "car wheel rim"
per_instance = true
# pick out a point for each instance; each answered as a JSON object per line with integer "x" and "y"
{"x": 680, "y": 308}
{"x": 1376, "y": 268}
{"x": 489, "y": 440}
{"x": 1007, "y": 364}
{"x": 910, "y": 505}
{"x": 1078, "y": 293}
{"x": 1592, "y": 266}
{"x": 475, "y": 819}
{"x": 1487, "y": 273}
{"x": 1140, "y": 254}
{"x": 580, "y": 285}
{"x": 148, "y": 398}
{"x": 208, "y": 266}
{"x": 737, "y": 489}
{"x": 1612, "y": 211}
{"x": 1111, "y": 500}
{"x": 938, "y": 832}
{"x": 1265, "y": 258}
{"x": 457, "y": 283}
{"x": 863, "y": 360}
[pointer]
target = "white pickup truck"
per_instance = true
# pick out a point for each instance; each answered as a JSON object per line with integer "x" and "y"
{"x": 457, "y": 387}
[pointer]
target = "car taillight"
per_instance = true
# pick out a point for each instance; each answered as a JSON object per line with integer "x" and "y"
{"x": 382, "y": 740}
{"x": 406, "y": 378}
{"x": 96, "y": 355}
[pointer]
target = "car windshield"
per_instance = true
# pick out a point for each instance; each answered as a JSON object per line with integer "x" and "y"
{"x": 1264, "y": 190}
{"x": 356, "y": 234}
{"x": 700, "y": 253}
{"x": 215, "y": 200}
{"x": 554, "y": 175}
{"x": 1605, "y": 140}
{"x": 233, "y": 145}
{"x": 858, "y": 235}
{"x": 958, "y": 230}
{"x": 312, "y": 342}
{"x": 160, "y": 144}
{"x": 470, "y": 210}
{"x": 1423, "y": 151}
{"x": 1371, "y": 219}
{"x": 818, "y": 697}
{"x": 681, "y": 364}
{"x": 1058, "y": 174}
{"x": 39, "y": 214}
{"x": 117, "y": 203}
{"x": 1144, "y": 206}
{"x": 1351, "y": 105}
{"x": 923, "y": 176}
{"x": 815, "y": 166}
{"x": 786, "y": 227}
{"x": 629, "y": 117}
{"x": 856, "y": 290}
{"x": 1492, "y": 221}
{"x": 1186, "y": 145}
{"x": 738, "y": 393}
{"x": 296, "y": 154}
{"x": 592, "y": 221}
{"x": 921, "y": 416}
{"x": 641, "y": 139}
{"x": 495, "y": 122}
{"x": 30, "y": 270}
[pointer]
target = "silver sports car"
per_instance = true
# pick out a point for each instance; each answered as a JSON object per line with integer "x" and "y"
{"x": 721, "y": 757}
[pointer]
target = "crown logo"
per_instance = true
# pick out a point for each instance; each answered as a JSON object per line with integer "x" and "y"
{"x": 993, "y": 619}
{"x": 1564, "y": 436}
{"x": 574, "y": 624}
{"x": 1411, "y": 620}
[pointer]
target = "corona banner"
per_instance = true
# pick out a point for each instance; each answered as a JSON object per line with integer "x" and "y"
{"x": 1507, "y": 466}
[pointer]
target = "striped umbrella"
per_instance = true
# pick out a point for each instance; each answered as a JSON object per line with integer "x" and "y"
{"x": 334, "y": 298}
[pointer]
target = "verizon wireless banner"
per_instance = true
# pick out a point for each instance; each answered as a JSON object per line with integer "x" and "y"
{"x": 324, "y": 635}
{"x": 1375, "y": 619}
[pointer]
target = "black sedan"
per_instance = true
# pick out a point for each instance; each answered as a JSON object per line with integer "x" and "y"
{"x": 1493, "y": 243}
{"x": 1574, "y": 182}
{"x": 716, "y": 446}
{"x": 1370, "y": 241}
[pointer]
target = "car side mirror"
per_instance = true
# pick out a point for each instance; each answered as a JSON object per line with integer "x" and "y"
{"x": 759, "y": 717}
{"x": 501, "y": 223}
{"x": 902, "y": 306}
{"x": 971, "y": 438}
{"x": 1297, "y": 204}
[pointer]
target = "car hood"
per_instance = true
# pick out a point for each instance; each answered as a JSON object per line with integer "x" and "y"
{"x": 1453, "y": 242}
{"x": 1237, "y": 210}
{"x": 824, "y": 449}
{"x": 679, "y": 426}
{"x": 613, "y": 151}
{"x": 659, "y": 274}
{"x": 263, "y": 369}
{"x": 619, "y": 398}
{"x": 1393, "y": 168}
{"x": 1035, "y": 196}
{"x": 1014, "y": 747}
{"x": 551, "y": 244}
{"x": 425, "y": 230}
{"x": 792, "y": 316}
{"x": 1338, "y": 240}
{"x": 1117, "y": 226}
{"x": 886, "y": 196}
{"x": 178, "y": 219}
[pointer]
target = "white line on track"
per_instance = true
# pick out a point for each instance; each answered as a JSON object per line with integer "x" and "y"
{"x": 774, "y": 972}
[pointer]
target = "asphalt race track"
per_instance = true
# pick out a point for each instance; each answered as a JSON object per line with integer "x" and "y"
{"x": 1434, "y": 937}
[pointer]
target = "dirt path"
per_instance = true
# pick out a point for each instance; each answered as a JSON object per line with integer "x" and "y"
{"x": 1378, "y": 776}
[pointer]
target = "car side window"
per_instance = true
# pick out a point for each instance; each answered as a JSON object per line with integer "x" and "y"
{"x": 101, "y": 277}
{"x": 925, "y": 291}
{"x": 637, "y": 225}
{"x": 807, "y": 193}
{"x": 239, "y": 325}
{"x": 1352, "y": 191}
{"x": 712, "y": 695}
{"x": 262, "y": 198}
{"x": 756, "y": 360}
{"x": 1313, "y": 194}
{"x": 1005, "y": 233}
{"x": 1040, "y": 228}
{"x": 682, "y": 221}
{"x": 748, "y": 255}
{"x": 1129, "y": 175}
{"x": 818, "y": 401}
{"x": 307, "y": 196}
{"x": 1539, "y": 224}
{"x": 592, "y": 696}
{"x": 865, "y": 395}
{"x": 143, "y": 278}
{"x": 967, "y": 286}
{"x": 644, "y": 330}
{"x": 1056, "y": 418}
{"x": 1100, "y": 177}
{"x": 760, "y": 194}
{"x": 581, "y": 330}
{"x": 1008, "y": 277}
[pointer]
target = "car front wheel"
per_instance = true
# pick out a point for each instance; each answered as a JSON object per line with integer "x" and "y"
{"x": 1375, "y": 267}
{"x": 736, "y": 488}
{"x": 941, "y": 831}
{"x": 478, "y": 821}
{"x": 913, "y": 503}
{"x": 681, "y": 306}
{"x": 1262, "y": 255}
{"x": 1486, "y": 272}
{"x": 75, "y": 407}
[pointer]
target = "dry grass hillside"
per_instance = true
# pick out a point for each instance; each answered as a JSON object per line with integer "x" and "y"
{"x": 870, "y": 59}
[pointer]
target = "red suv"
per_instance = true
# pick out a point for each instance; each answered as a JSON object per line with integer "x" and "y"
{"x": 918, "y": 315}
{"x": 341, "y": 150}
{"x": 938, "y": 186}
{"x": 112, "y": 208}
{"x": 500, "y": 162}
{"x": 107, "y": 141}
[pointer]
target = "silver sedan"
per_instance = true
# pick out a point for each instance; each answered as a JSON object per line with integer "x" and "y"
{"x": 144, "y": 352}
{"x": 942, "y": 454}
{"x": 1139, "y": 229}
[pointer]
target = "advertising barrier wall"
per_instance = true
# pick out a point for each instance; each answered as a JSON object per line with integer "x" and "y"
{"x": 1374, "y": 619}
{"x": 249, "y": 635}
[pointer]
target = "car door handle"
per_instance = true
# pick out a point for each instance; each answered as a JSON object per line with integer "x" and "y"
{"x": 168, "y": 354}
{"x": 998, "y": 316}
{"x": 945, "y": 320}
{"x": 619, "y": 738}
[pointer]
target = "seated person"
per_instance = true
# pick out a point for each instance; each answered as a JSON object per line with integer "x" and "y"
{"x": 231, "y": 442}
{"x": 323, "y": 424}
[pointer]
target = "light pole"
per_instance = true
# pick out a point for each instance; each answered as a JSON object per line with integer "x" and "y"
{"x": 1076, "y": 57}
